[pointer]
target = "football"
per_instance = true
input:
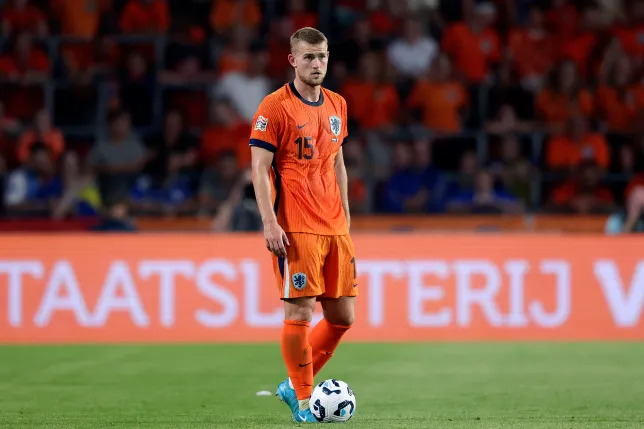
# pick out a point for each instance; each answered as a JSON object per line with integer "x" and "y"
{"x": 333, "y": 401}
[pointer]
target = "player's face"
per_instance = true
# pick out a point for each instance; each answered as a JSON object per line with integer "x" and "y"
{"x": 310, "y": 62}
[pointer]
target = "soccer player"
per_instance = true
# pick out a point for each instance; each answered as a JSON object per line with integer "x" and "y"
{"x": 300, "y": 183}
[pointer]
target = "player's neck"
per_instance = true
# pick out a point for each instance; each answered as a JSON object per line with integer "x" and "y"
{"x": 307, "y": 92}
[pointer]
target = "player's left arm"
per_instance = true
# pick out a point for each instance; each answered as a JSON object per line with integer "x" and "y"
{"x": 343, "y": 184}
{"x": 340, "y": 168}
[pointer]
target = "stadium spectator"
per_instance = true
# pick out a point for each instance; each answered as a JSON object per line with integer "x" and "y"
{"x": 35, "y": 186}
{"x": 532, "y": 50}
{"x": 612, "y": 11}
{"x": 145, "y": 17}
{"x": 226, "y": 14}
{"x": 298, "y": 16}
{"x": 180, "y": 92}
{"x": 625, "y": 159}
{"x": 484, "y": 198}
{"x": 82, "y": 196}
{"x": 170, "y": 174}
{"x": 382, "y": 110}
{"x": 411, "y": 188}
{"x": 115, "y": 219}
{"x": 631, "y": 218}
{"x": 346, "y": 12}
{"x": 227, "y": 131}
{"x": 442, "y": 100}
{"x": 474, "y": 45}
{"x": 637, "y": 179}
{"x": 246, "y": 89}
{"x": 629, "y": 31}
{"x": 388, "y": 18}
{"x": 579, "y": 144}
{"x": 513, "y": 169}
{"x": 27, "y": 63}
{"x": 279, "y": 48}
{"x": 236, "y": 54}
{"x": 24, "y": 70}
{"x": 556, "y": 84}
{"x": 563, "y": 94}
{"x": 635, "y": 147}
{"x": 217, "y": 183}
{"x": 136, "y": 89}
{"x": 42, "y": 133}
{"x": 348, "y": 51}
{"x": 20, "y": 16}
{"x": 354, "y": 161}
{"x": 464, "y": 180}
{"x": 563, "y": 20}
{"x": 618, "y": 99}
{"x": 80, "y": 18}
{"x": 9, "y": 129}
{"x": 90, "y": 60}
{"x": 117, "y": 160}
{"x": 507, "y": 121}
{"x": 581, "y": 48}
{"x": 239, "y": 211}
{"x": 584, "y": 192}
{"x": 412, "y": 54}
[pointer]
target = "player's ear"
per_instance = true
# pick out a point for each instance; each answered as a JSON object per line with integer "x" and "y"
{"x": 291, "y": 60}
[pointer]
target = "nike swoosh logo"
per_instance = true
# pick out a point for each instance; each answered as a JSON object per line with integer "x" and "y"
{"x": 299, "y": 127}
{"x": 301, "y": 365}
{"x": 301, "y": 417}
{"x": 355, "y": 285}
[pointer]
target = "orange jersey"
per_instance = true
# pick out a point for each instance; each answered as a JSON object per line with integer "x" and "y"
{"x": 305, "y": 138}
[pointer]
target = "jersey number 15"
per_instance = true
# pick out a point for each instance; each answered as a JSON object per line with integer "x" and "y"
{"x": 304, "y": 148}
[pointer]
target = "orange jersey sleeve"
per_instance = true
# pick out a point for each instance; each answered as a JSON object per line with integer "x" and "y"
{"x": 305, "y": 138}
{"x": 267, "y": 124}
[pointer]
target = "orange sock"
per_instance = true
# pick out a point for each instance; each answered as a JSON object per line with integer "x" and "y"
{"x": 324, "y": 338}
{"x": 296, "y": 352}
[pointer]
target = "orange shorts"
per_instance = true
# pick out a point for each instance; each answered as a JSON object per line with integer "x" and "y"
{"x": 323, "y": 266}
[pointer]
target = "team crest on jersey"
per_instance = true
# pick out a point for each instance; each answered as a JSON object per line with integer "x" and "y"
{"x": 336, "y": 125}
{"x": 261, "y": 123}
{"x": 299, "y": 281}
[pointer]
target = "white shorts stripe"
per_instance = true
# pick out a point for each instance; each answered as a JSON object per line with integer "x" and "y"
{"x": 287, "y": 279}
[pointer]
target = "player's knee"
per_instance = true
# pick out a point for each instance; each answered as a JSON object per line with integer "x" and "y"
{"x": 339, "y": 311}
{"x": 300, "y": 309}
{"x": 345, "y": 320}
{"x": 342, "y": 319}
{"x": 303, "y": 314}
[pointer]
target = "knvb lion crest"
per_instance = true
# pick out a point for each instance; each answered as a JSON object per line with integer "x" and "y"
{"x": 336, "y": 125}
{"x": 299, "y": 281}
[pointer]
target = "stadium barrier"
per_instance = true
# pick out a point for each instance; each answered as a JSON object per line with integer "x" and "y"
{"x": 576, "y": 224}
{"x": 72, "y": 288}
{"x": 507, "y": 223}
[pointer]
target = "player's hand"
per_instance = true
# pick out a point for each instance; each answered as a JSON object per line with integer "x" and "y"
{"x": 276, "y": 240}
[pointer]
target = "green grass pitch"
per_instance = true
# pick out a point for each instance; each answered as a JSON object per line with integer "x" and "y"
{"x": 473, "y": 385}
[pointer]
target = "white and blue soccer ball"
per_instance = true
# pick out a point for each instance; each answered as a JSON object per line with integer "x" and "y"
{"x": 333, "y": 401}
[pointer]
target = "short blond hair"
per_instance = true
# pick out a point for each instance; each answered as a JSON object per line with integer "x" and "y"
{"x": 308, "y": 35}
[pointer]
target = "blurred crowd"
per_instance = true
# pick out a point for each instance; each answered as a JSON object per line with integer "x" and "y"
{"x": 457, "y": 106}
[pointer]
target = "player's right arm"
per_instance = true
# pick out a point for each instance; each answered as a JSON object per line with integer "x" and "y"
{"x": 264, "y": 142}
{"x": 261, "y": 161}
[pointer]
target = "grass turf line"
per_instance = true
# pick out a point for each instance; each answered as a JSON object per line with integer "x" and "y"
{"x": 482, "y": 385}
